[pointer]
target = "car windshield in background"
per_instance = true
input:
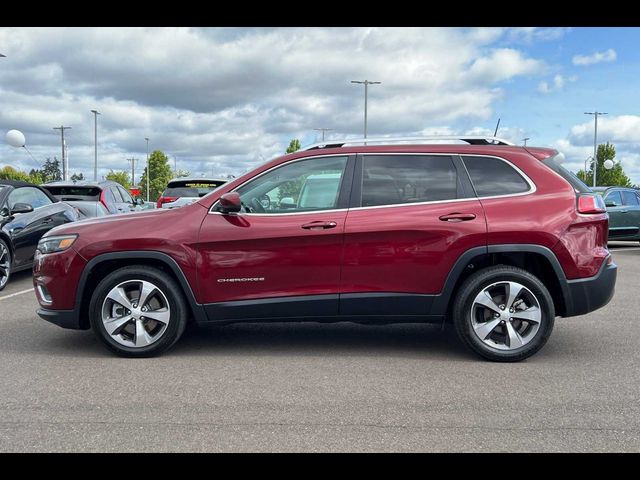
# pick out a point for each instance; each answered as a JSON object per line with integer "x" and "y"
{"x": 181, "y": 192}
{"x": 79, "y": 193}
{"x": 554, "y": 164}
{"x": 201, "y": 187}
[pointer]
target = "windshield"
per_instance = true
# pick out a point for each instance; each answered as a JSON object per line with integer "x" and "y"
{"x": 578, "y": 185}
{"x": 74, "y": 193}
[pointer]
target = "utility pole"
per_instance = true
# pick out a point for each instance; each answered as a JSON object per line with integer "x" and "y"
{"x": 62, "y": 128}
{"x": 366, "y": 84}
{"x": 148, "y": 169}
{"x": 95, "y": 144}
{"x": 323, "y": 130}
{"x": 133, "y": 170}
{"x": 525, "y": 140}
{"x": 595, "y": 143}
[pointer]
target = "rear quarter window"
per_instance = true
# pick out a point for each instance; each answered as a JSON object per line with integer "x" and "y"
{"x": 578, "y": 185}
{"x": 493, "y": 177}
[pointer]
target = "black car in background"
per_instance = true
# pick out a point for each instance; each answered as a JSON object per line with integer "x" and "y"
{"x": 27, "y": 212}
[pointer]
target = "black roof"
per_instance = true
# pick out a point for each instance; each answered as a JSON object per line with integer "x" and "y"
{"x": 20, "y": 183}
{"x": 16, "y": 183}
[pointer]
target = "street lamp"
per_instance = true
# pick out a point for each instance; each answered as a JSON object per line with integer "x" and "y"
{"x": 595, "y": 142}
{"x": 95, "y": 144}
{"x": 366, "y": 84}
{"x": 148, "y": 168}
{"x": 323, "y": 130}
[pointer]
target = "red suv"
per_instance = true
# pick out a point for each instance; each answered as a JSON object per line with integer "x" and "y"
{"x": 496, "y": 238}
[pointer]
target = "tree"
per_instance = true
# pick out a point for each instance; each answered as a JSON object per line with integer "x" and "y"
{"x": 161, "y": 173}
{"x": 51, "y": 170}
{"x": 10, "y": 173}
{"x": 121, "y": 177}
{"x": 604, "y": 177}
{"x": 294, "y": 146}
{"x": 77, "y": 177}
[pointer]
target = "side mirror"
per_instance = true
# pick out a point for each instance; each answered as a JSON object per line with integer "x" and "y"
{"x": 229, "y": 203}
{"x": 21, "y": 208}
{"x": 139, "y": 201}
{"x": 287, "y": 202}
{"x": 610, "y": 203}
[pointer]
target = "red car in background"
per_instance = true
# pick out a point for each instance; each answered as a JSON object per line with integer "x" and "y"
{"x": 496, "y": 238}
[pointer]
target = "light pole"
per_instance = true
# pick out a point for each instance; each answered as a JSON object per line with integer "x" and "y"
{"x": 595, "y": 142}
{"x": 525, "y": 140}
{"x": 62, "y": 128}
{"x": 323, "y": 130}
{"x": 95, "y": 144}
{"x": 133, "y": 170}
{"x": 148, "y": 169}
{"x": 366, "y": 84}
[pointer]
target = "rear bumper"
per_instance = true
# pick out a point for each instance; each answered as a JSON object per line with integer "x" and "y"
{"x": 62, "y": 318}
{"x": 589, "y": 294}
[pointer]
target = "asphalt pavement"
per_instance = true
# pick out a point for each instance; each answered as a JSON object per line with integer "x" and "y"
{"x": 323, "y": 387}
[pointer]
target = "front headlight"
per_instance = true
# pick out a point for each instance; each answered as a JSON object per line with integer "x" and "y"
{"x": 58, "y": 243}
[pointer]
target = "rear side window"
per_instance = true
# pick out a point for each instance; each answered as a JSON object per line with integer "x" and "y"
{"x": 630, "y": 198}
{"x": 493, "y": 177}
{"x": 398, "y": 179}
{"x": 578, "y": 185}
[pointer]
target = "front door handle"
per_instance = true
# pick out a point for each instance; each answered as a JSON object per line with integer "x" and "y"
{"x": 47, "y": 221}
{"x": 457, "y": 217}
{"x": 319, "y": 225}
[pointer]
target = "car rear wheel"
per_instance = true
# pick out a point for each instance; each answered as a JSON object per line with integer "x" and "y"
{"x": 5, "y": 264}
{"x": 504, "y": 313}
{"x": 138, "y": 311}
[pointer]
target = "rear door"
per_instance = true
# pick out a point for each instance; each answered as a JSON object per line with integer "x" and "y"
{"x": 412, "y": 217}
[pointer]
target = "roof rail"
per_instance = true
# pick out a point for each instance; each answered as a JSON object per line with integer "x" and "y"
{"x": 470, "y": 139}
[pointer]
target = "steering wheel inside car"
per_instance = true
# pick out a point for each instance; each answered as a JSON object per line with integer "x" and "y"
{"x": 256, "y": 206}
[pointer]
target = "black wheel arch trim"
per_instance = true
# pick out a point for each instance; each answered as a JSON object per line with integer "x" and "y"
{"x": 197, "y": 309}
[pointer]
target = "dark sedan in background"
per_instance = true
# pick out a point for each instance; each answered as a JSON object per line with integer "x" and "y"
{"x": 623, "y": 206}
{"x": 27, "y": 212}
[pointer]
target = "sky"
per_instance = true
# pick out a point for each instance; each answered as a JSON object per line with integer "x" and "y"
{"x": 221, "y": 101}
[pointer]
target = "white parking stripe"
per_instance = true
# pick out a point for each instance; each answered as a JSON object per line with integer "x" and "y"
{"x": 17, "y": 293}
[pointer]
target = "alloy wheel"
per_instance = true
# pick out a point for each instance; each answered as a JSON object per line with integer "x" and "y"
{"x": 5, "y": 265}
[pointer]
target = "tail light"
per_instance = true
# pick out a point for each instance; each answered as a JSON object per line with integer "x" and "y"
{"x": 103, "y": 202}
{"x": 591, "y": 204}
{"x": 162, "y": 200}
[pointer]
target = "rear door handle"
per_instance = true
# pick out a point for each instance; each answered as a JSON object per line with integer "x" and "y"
{"x": 624, "y": 211}
{"x": 47, "y": 221}
{"x": 319, "y": 225}
{"x": 457, "y": 217}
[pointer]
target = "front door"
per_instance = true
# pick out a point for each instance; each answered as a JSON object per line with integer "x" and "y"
{"x": 280, "y": 256}
{"x": 416, "y": 215}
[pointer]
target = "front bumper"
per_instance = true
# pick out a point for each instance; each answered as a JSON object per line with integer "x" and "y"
{"x": 589, "y": 294}
{"x": 62, "y": 318}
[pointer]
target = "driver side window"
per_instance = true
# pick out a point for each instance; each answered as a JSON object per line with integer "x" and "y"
{"x": 302, "y": 186}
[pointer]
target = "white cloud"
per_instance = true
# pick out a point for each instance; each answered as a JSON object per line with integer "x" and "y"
{"x": 532, "y": 34}
{"x": 226, "y": 98}
{"x": 559, "y": 82}
{"x": 597, "y": 57}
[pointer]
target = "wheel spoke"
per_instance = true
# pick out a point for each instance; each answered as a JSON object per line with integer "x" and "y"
{"x": 485, "y": 300}
{"x": 484, "y": 329}
{"x": 513, "y": 290}
{"x": 3, "y": 270}
{"x": 515, "y": 340}
{"x": 114, "y": 326}
{"x": 161, "y": 316}
{"x": 146, "y": 290}
{"x": 142, "y": 337}
{"x": 531, "y": 314}
{"x": 119, "y": 296}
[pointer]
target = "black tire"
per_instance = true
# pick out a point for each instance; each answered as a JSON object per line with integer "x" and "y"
{"x": 168, "y": 287}
{"x": 463, "y": 312}
{"x": 5, "y": 248}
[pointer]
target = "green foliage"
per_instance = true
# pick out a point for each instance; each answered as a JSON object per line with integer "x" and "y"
{"x": 294, "y": 146}
{"x": 10, "y": 173}
{"x": 161, "y": 173}
{"x": 604, "y": 177}
{"x": 77, "y": 177}
{"x": 121, "y": 177}
{"x": 51, "y": 170}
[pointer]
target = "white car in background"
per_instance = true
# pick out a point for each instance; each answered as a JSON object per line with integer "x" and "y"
{"x": 183, "y": 191}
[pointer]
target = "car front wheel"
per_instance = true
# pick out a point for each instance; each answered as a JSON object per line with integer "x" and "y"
{"x": 504, "y": 313}
{"x": 5, "y": 264}
{"x": 138, "y": 311}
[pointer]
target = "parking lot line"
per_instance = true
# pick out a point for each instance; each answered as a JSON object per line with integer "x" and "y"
{"x": 17, "y": 293}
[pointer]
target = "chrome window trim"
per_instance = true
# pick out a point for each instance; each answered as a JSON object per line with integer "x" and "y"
{"x": 532, "y": 185}
{"x": 211, "y": 212}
